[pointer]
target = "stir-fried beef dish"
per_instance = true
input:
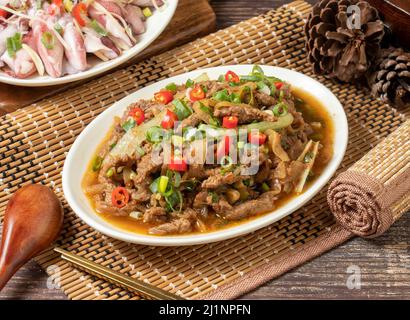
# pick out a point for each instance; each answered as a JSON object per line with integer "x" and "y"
{"x": 208, "y": 153}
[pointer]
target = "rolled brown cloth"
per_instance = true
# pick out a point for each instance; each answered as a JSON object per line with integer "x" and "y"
{"x": 371, "y": 195}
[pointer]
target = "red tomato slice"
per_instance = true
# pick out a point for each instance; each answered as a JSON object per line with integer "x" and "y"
{"x": 230, "y": 122}
{"x": 164, "y": 96}
{"x": 169, "y": 120}
{"x": 120, "y": 197}
{"x": 80, "y": 13}
{"x": 178, "y": 164}
{"x": 138, "y": 115}
{"x": 278, "y": 85}
{"x": 196, "y": 93}
{"x": 231, "y": 76}
{"x": 256, "y": 138}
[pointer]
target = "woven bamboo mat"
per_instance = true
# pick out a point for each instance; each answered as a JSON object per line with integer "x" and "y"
{"x": 34, "y": 142}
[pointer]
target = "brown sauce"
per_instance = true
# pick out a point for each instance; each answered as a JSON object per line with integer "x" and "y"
{"x": 312, "y": 110}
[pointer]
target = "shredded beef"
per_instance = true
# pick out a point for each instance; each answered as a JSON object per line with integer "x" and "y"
{"x": 244, "y": 113}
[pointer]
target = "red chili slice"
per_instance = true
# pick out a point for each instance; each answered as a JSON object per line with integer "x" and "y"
{"x": 231, "y": 76}
{"x": 178, "y": 164}
{"x": 3, "y": 13}
{"x": 79, "y": 13}
{"x": 223, "y": 148}
{"x": 164, "y": 96}
{"x": 169, "y": 119}
{"x": 256, "y": 138}
{"x": 230, "y": 122}
{"x": 138, "y": 115}
{"x": 196, "y": 93}
{"x": 278, "y": 85}
{"x": 120, "y": 197}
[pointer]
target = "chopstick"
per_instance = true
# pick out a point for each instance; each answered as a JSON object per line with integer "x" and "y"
{"x": 117, "y": 278}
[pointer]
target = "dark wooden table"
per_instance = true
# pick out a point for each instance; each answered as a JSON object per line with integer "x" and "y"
{"x": 384, "y": 263}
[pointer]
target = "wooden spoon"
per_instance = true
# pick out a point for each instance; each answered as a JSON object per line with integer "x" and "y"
{"x": 32, "y": 221}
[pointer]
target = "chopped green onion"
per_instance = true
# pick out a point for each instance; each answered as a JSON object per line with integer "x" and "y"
{"x": 214, "y": 197}
{"x": 14, "y": 44}
{"x": 222, "y": 95}
{"x": 251, "y": 78}
{"x": 281, "y": 94}
{"x": 235, "y": 98}
{"x": 204, "y": 88}
{"x": 154, "y": 186}
{"x": 147, "y": 12}
{"x": 226, "y": 162}
{"x": 140, "y": 151}
{"x": 58, "y": 28}
{"x": 189, "y": 83}
{"x": 173, "y": 199}
{"x": 257, "y": 70}
{"x": 98, "y": 28}
{"x": 280, "y": 109}
{"x": 177, "y": 179}
{"x": 204, "y": 108}
{"x": 47, "y": 39}
{"x": 171, "y": 87}
{"x": 221, "y": 78}
{"x": 214, "y": 122}
{"x": 262, "y": 87}
{"x": 163, "y": 184}
{"x": 110, "y": 172}
{"x": 129, "y": 124}
{"x": 273, "y": 90}
{"x": 97, "y": 163}
{"x": 156, "y": 134}
{"x": 181, "y": 109}
{"x": 265, "y": 187}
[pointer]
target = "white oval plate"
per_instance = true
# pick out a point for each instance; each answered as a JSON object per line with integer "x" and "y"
{"x": 85, "y": 146}
{"x": 155, "y": 25}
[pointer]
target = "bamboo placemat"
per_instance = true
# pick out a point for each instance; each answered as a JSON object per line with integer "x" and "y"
{"x": 34, "y": 142}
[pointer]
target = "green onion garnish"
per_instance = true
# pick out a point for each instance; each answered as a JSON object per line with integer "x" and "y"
{"x": 98, "y": 28}
{"x": 109, "y": 173}
{"x": 189, "y": 83}
{"x": 172, "y": 87}
{"x": 47, "y": 39}
{"x": 58, "y": 28}
{"x": 140, "y": 151}
{"x": 156, "y": 134}
{"x": 222, "y": 95}
{"x": 181, "y": 109}
{"x": 129, "y": 124}
{"x": 14, "y": 44}
{"x": 162, "y": 184}
{"x": 265, "y": 187}
{"x": 97, "y": 163}
{"x": 280, "y": 109}
{"x": 226, "y": 162}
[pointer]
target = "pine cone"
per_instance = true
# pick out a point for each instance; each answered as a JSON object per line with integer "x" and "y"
{"x": 334, "y": 49}
{"x": 390, "y": 77}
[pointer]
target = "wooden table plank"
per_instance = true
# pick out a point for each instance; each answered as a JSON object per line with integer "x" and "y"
{"x": 384, "y": 262}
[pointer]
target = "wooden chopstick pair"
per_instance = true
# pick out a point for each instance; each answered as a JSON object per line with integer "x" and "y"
{"x": 117, "y": 278}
